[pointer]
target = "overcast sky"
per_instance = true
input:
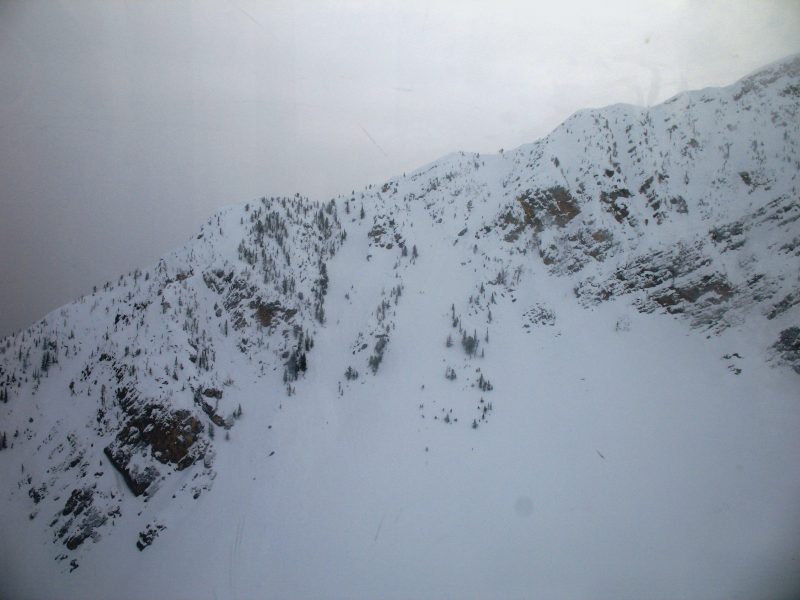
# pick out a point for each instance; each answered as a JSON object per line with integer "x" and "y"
{"x": 124, "y": 125}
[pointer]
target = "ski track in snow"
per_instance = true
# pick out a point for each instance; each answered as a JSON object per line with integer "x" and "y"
{"x": 378, "y": 531}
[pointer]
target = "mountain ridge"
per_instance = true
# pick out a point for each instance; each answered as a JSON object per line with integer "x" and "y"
{"x": 404, "y": 313}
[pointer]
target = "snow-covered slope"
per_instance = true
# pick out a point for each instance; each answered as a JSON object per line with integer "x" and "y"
{"x": 567, "y": 370}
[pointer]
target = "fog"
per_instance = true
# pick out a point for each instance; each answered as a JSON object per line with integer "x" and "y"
{"x": 125, "y": 125}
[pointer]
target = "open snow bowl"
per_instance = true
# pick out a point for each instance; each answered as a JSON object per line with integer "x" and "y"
{"x": 596, "y": 398}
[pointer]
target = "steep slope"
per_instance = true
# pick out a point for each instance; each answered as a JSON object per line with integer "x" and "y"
{"x": 461, "y": 382}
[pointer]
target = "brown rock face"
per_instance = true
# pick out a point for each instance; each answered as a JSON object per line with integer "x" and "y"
{"x": 552, "y": 205}
{"x": 171, "y": 436}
